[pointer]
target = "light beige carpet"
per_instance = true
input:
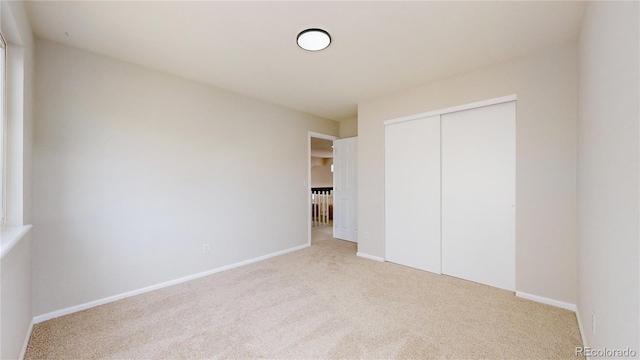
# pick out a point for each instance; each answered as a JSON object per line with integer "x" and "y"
{"x": 320, "y": 302}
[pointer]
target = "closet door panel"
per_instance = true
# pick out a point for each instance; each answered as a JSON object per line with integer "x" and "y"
{"x": 412, "y": 193}
{"x": 478, "y": 195}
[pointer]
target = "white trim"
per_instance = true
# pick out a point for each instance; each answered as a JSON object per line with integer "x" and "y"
{"x": 11, "y": 236}
{"x": 76, "y": 308}
{"x": 448, "y": 110}
{"x": 544, "y": 300}
{"x": 562, "y": 305}
{"x": 322, "y": 136}
{"x": 310, "y": 135}
{"x": 23, "y": 352}
{"x": 370, "y": 257}
{"x": 582, "y": 333}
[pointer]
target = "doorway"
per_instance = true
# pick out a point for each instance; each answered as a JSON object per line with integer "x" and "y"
{"x": 320, "y": 185}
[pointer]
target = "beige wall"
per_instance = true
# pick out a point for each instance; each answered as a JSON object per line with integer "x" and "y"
{"x": 321, "y": 175}
{"x": 136, "y": 170}
{"x": 608, "y": 177}
{"x": 546, "y": 87}
{"x": 349, "y": 128}
{"x": 16, "y": 311}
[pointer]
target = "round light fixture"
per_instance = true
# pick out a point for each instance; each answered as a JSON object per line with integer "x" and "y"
{"x": 314, "y": 39}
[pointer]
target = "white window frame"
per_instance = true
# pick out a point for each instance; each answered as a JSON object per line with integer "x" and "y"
{"x": 3, "y": 132}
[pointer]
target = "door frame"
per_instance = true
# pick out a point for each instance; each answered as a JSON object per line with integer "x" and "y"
{"x": 469, "y": 106}
{"x": 312, "y": 134}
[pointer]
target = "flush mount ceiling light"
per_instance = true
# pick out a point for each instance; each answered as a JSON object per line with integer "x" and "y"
{"x": 314, "y": 39}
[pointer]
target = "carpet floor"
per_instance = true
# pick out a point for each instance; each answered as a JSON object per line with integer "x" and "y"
{"x": 321, "y": 302}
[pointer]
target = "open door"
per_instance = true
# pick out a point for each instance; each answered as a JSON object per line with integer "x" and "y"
{"x": 345, "y": 189}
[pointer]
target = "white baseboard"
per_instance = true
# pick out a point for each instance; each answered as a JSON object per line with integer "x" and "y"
{"x": 560, "y": 304}
{"x": 76, "y": 308}
{"x": 584, "y": 338}
{"x": 370, "y": 257}
{"x": 544, "y": 300}
{"x": 23, "y": 352}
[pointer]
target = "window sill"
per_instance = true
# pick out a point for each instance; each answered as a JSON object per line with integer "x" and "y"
{"x": 10, "y": 236}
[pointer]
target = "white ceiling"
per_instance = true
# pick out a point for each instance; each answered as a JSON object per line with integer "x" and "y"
{"x": 250, "y": 47}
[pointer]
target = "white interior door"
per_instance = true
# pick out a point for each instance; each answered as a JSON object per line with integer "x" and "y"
{"x": 478, "y": 195}
{"x": 412, "y": 193}
{"x": 345, "y": 189}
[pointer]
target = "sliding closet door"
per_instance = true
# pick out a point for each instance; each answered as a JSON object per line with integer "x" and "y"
{"x": 412, "y": 193}
{"x": 478, "y": 195}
